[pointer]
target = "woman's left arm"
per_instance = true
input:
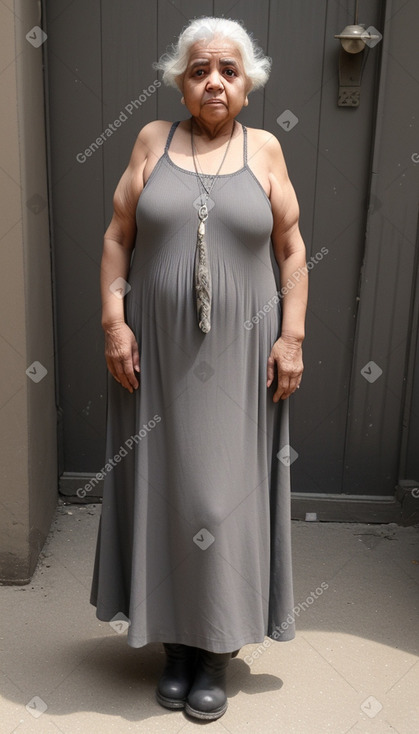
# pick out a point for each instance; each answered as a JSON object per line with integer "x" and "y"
{"x": 290, "y": 254}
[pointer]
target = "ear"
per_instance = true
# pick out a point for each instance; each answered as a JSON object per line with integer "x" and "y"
{"x": 246, "y": 101}
{"x": 182, "y": 100}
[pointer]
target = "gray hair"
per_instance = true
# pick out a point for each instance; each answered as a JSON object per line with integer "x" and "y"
{"x": 173, "y": 64}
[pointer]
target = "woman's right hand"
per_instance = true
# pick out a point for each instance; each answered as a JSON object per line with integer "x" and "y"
{"x": 122, "y": 355}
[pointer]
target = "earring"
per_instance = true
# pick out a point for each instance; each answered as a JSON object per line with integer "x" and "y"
{"x": 183, "y": 100}
{"x": 246, "y": 102}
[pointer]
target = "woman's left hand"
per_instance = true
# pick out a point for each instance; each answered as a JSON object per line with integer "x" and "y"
{"x": 286, "y": 354}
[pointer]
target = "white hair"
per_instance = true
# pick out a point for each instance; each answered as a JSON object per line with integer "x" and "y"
{"x": 173, "y": 64}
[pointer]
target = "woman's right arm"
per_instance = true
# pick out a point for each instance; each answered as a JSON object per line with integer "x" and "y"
{"x": 121, "y": 348}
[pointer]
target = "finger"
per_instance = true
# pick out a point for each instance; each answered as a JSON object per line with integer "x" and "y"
{"x": 136, "y": 357}
{"x": 123, "y": 371}
{"x": 277, "y": 396}
{"x": 289, "y": 391}
{"x": 111, "y": 369}
{"x": 280, "y": 394}
{"x": 282, "y": 389}
{"x": 286, "y": 395}
{"x": 295, "y": 383}
{"x": 129, "y": 366}
{"x": 117, "y": 369}
{"x": 132, "y": 379}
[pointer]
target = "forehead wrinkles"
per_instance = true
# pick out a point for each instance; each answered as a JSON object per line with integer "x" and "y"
{"x": 201, "y": 49}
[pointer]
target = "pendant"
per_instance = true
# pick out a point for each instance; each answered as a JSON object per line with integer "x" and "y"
{"x": 202, "y": 275}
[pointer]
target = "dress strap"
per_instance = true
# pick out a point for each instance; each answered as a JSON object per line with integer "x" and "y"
{"x": 244, "y": 145}
{"x": 170, "y": 135}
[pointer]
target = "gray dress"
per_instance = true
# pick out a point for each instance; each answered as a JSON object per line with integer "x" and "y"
{"x": 194, "y": 541}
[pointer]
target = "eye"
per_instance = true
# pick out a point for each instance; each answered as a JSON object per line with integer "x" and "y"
{"x": 230, "y": 72}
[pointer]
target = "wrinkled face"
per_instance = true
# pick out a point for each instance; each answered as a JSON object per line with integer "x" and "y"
{"x": 214, "y": 84}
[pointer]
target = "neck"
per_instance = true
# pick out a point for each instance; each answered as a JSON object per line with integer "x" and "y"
{"x": 221, "y": 129}
{"x": 222, "y": 161}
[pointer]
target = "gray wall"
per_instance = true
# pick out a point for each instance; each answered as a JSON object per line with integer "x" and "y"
{"x": 355, "y": 180}
{"x": 28, "y": 440}
{"x": 386, "y": 328}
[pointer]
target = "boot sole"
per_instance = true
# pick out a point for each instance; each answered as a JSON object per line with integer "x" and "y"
{"x": 207, "y": 715}
{"x": 170, "y": 703}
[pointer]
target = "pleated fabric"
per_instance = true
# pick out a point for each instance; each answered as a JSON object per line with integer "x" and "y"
{"x": 194, "y": 542}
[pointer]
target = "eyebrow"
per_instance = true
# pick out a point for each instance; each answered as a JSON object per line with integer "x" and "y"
{"x": 205, "y": 62}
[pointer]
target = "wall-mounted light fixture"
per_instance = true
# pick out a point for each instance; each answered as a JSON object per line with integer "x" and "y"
{"x": 354, "y": 38}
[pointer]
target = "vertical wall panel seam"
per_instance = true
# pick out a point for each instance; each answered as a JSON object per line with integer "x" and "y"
{"x": 268, "y": 45}
{"x": 410, "y": 362}
{"x": 310, "y": 246}
{"x": 101, "y": 111}
{"x": 157, "y": 56}
{"x": 48, "y": 163}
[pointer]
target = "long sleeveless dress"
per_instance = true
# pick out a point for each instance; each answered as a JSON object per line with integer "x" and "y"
{"x": 194, "y": 541}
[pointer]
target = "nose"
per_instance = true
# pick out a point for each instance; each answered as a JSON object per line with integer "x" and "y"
{"x": 214, "y": 80}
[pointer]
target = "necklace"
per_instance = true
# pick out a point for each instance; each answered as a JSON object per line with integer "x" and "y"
{"x": 207, "y": 175}
{"x": 202, "y": 273}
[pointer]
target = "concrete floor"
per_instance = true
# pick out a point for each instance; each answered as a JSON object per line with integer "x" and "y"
{"x": 353, "y": 666}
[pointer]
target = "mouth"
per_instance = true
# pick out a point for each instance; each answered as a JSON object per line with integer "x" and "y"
{"x": 214, "y": 101}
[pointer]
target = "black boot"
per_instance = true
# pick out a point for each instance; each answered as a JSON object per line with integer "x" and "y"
{"x": 177, "y": 676}
{"x": 207, "y": 698}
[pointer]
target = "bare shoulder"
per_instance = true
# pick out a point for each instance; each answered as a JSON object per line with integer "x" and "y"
{"x": 263, "y": 145}
{"x": 154, "y": 131}
{"x": 147, "y": 149}
{"x": 150, "y": 140}
{"x": 260, "y": 136}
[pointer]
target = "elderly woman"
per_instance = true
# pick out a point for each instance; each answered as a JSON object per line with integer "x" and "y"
{"x": 204, "y": 348}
